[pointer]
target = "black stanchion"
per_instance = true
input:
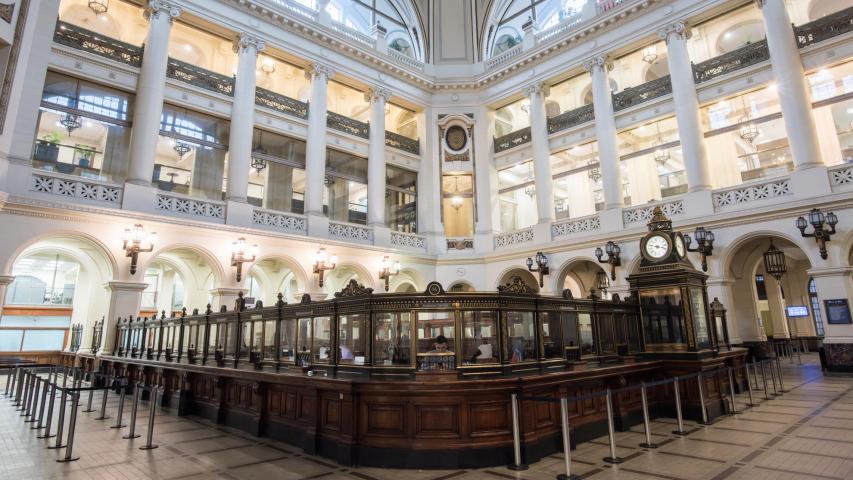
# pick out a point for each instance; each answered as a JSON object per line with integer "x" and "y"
{"x": 34, "y": 415}
{"x": 749, "y": 386}
{"x": 779, "y": 370}
{"x": 764, "y": 380}
{"x": 25, "y": 393}
{"x": 732, "y": 392}
{"x": 567, "y": 444}
{"x": 44, "y": 390}
{"x": 9, "y": 374}
{"x": 702, "y": 399}
{"x": 32, "y": 399}
{"x": 63, "y": 399}
{"x": 72, "y": 424}
{"x": 91, "y": 394}
{"x": 678, "y": 413}
{"x": 120, "y": 411}
{"x": 153, "y": 406}
{"x": 131, "y": 433}
{"x": 646, "y": 424}
{"x": 613, "y": 458}
{"x": 52, "y": 396}
{"x": 22, "y": 379}
{"x": 103, "y": 415}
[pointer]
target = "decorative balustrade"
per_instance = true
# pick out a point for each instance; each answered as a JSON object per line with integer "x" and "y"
{"x": 350, "y": 232}
{"x": 559, "y": 29}
{"x": 200, "y": 77}
{"x": 514, "y": 139}
{"x": 89, "y": 41}
{"x": 347, "y": 125}
{"x": 841, "y": 175}
{"x": 297, "y": 8}
{"x": 571, "y": 118}
{"x": 642, "y": 93}
{"x": 825, "y": 28}
{"x": 400, "y": 57}
{"x": 406, "y": 144}
{"x": 644, "y": 213}
{"x": 729, "y": 62}
{"x": 281, "y": 103}
{"x": 76, "y": 188}
{"x": 751, "y": 193}
{"x": 408, "y": 240}
{"x": 503, "y": 57}
{"x": 511, "y": 239}
{"x": 180, "y": 205}
{"x": 353, "y": 34}
{"x": 285, "y": 222}
{"x": 575, "y": 225}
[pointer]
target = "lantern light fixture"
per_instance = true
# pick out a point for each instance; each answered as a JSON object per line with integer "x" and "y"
{"x": 650, "y": 54}
{"x": 324, "y": 262}
{"x": 774, "y": 262}
{"x": 704, "y": 245}
{"x": 135, "y": 241}
{"x": 258, "y": 162}
{"x": 823, "y": 226}
{"x": 242, "y": 252}
{"x": 181, "y": 148}
{"x": 388, "y": 270}
{"x": 71, "y": 122}
{"x": 540, "y": 265}
{"x": 614, "y": 256}
{"x": 602, "y": 282}
{"x": 594, "y": 171}
{"x": 99, "y": 6}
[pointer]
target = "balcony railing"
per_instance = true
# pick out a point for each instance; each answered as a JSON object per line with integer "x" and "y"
{"x": 512, "y": 139}
{"x": 200, "y": 77}
{"x": 729, "y": 62}
{"x": 825, "y": 28}
{"x": 89, "y": 41}
{"x": 347, "y": 125}
{"x": 571, "y": 118}
{"x": 642, "y": 93}
{"x": 281, "y": 103}
{"x": 400, "y": 142}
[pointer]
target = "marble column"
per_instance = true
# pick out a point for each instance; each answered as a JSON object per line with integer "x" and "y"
{"x": 315, "y": 150}
{"x": 793, "y": 91}
{"x": 125, "y": 300}
{"x": 605, "y": 130}
{"x": 150, "y": 91}
{"x": 541, "y": 152}
{"x": 686, "y": 106}
{"x": 377, "y": 96}
{"x": 242, "y": 117}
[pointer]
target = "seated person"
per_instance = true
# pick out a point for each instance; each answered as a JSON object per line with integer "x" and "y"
{"x": 440, "y": 345}
{"x": 483, "y": 353}
{"x": 517, "y": 348}
{"x": 346, "y": 353}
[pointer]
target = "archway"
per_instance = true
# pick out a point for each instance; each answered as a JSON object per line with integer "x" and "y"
{"x": 199, "y": 271}
{"x": 581, "y": 277}
{"x": 338, "y": 278}
{"x": 461, "y": 286}
{"x": 272, "y": 275}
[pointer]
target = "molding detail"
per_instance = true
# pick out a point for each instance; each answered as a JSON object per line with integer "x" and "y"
{"x": 578, "y": 225}
{"x": 645, "y": 213}
{"x": 680, "y": 30}
{"x": 601, "y": 62}
{"x": 751, "y": 193}
{"x": 511, "y": 239}
{"x": 246, "y": 41}
{"x": 157, "y": 8}
{"x": 408, "y": 240}
{"x": 841, "y": 175}
{"x": 536, "y": 89}
{"x": 77, "y": 188}
{"x": 353, "y": 289}
{"x": 319, "y": 69}
{"x": 374, "y": 94}
{"x": 279, "y": 221}
{"x": 348, "y": 231}
{"x": 188, "y": 206}
{"x": 516, "y": 285}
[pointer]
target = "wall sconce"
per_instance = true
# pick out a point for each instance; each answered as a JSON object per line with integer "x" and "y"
{"x": 324, "y": 262}
{"x": 99, "y": 6}
{"x": 704, "y": 245}
{"x": 818, "y": 221}
{"x": 614, "y": 257}
{"x": 136, "y": 241}
{"x": 242, "y": 252}
{"x": 388, "y": 270}
{"x": 268, "y": 66}
{"x": 541, "y": 267}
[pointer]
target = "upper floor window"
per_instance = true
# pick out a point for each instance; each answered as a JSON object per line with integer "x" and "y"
{"x": 805, "y": 11}
{"x": 511, "y": 15}
{"x": 122, "y": 21}
{"x": 512, "y": 117}
{"x": 202, "y": 49}
{"x": 833, "y": 111}
{"x": 517, "y": 196}
{"x": 348, "y": 102}
{"x": 277, "y": 172}
{"x": 726, "y": 33}
{"x": 345, "y": 197}
{"x": 401, "y": 212}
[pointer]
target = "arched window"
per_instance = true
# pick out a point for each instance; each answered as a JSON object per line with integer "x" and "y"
{"x": 815, "y": 304}
{"x": 509, "y": 20}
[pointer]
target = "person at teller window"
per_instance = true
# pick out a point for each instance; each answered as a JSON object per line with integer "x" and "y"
{"x": 440, "y": 345}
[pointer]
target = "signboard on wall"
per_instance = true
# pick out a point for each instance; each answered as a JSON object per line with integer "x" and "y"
{"x": 837, "y": 311}
{"x": 797, "y": 311}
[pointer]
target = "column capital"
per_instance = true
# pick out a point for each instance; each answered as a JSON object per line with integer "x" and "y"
{"x": 537, "y": 88}
{"x": 319, "y": 69}
{"x": 373, "y": 94}
{"x": 245, "y": 41}
{"x": 158, "y": 8}
{"x": 680, "y": 30}
{"x": 602, "y": 62}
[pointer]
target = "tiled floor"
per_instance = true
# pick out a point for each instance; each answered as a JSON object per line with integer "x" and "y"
{"x": 806, "y": 433}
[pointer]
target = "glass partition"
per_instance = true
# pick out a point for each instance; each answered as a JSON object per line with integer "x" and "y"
{"x": 288, "y": 340}
{"x": 585, "y": 334}
{"x": 322, "y": 340}
{"x": 663, "y": 320}
{"x": 304, "y": 342}
{"x": 352, "y": 339}
{"x": 392, "y": 342}
{"x": 480, "y": 338}
{"x": 552, "y": 335}
{"x": 521, "y": 337}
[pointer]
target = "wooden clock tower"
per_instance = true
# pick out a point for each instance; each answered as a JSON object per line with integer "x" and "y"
{"x": 672, "y": 294}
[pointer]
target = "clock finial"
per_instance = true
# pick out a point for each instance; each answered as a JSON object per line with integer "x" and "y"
{"x": 659, "y": 221}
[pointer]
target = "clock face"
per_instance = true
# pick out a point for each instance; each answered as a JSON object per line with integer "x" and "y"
{"x": 456, "y": 138}
{"x": 657, "y": 246}
{"x": 679, "y": 245}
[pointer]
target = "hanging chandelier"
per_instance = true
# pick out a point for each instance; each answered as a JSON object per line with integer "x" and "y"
{"x": 774, "y": 262}
{"x": 268, "y": 66}
{"x": 328, "y": 180}
{"x": 456, "y": 200}
{"x": 99, "y": 6}
{"x": 594, "y": 173}
{"x": 748, "y": 130}
{"x": 71, "y": 122}
{"x": 662, "y": 156}
{"x": 530, "y": 190}
{"x": 259, "y": 163}
{"x": 182, "y": 148}
{"x": 650, "y": 54}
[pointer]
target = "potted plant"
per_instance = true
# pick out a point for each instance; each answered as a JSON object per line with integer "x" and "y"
{"x": 47, "y": 148}
{"x": 84, "y": 154}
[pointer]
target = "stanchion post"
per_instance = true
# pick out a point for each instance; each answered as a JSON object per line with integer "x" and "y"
{"x": 611, "y": 431}
{"x": 153, "y": 406}
{"x": 34, "y": 405}
{"x": 47, "y": 426}
{"x": 646, "y": 424}
{"x": 61, "y": 420}
{"x": 131, "y": 433}
{"x": 764, "y": 380}
{"x": 120, "y": 411}
{"x": 517, "y": 463}
{"x": 779, "y": 371}
{"x": 567, "y": 443}
{"x": 103, "y": 415}
{"x": 72, "y": 424}
{"x": 749, "y": 386}
{"x": 702, "y": 399}
{"x": 773, "y": 376}
{"x": 91, "y": 396}
{"x": 28, "y": 395}
{"x": 9, "y": 373}
{"x": 755, "y": 373}
{"x": 732, "y": 391}
{"x": 44, "y": 390}
{"x": 22, "y": 378}
{"x": 678, "y": 413}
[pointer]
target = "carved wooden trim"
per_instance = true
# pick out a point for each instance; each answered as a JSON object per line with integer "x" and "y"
{"x": 353, "y": 289}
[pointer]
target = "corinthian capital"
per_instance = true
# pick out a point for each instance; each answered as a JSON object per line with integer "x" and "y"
{"x": 159, "y": 8}
{"x": 246, "y": 42}
{"x": 602, "y": 62}
{"x": 376, "y": 93}
{"x": 537, "y": 88}
{"x": 680, "y": 30}
{"x": 319, "y": 69}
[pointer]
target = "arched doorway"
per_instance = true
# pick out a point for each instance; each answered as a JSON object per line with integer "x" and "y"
{"x": 273, "y": 275}
{"x": 182, "y": 275}
{"x": 582, "y": 277}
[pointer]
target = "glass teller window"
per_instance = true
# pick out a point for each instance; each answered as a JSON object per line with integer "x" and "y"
{"x": 392, "y": 341}
{"x": 352, "y": 339}
{"x": 663, "y": 317}
{"x": 521, "y": 337}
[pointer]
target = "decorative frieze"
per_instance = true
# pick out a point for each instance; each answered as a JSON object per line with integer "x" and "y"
{"x": 751, "y": 193}
{"x": 841, "y": 175}
{"x": 76, "y": 188}
{"x": 460, "y": 243}
{"x": 285, "y": 222}
{"x": 571, "y": 118}
{"x": 680, "y": 30}
{"x": 642, "y": 93}
{"x": 350, "y": 232}
{"x": 577, "y": 225}
{"x": 408, "y": 240}
{"x": 348, "y": 125}
{"x": 644, "y": 213}
{"x": 511, "y": 239}
{"x": 406, "y": 144}
{"x": 189, "y": 206}
{"x": 246, "y": 41}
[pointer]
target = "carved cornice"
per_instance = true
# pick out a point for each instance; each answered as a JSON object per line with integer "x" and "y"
{"x": 245, "y": 42}
{"x": 158, "y": 8}
{"x": 536, "y": 89}
{"x": 680, "y": 30}
{"x": 319, "y": 69}
{"x": 353, "y": 289}
{"x": 376, "y": 93}
{"x": 516, "y": 285}
{"x": 602, "y": 62}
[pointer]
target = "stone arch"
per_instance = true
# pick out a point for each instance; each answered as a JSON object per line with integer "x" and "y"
{"x": 211, "y": 260}
{"x": 300, "y": 276}
{"x": 62, "y": 235}
{"x": 577, "y": 274}
{"x": 527, "y": 277}
{"x": 337, "y": 279}
{"x": 463, "y": 285}
{"x": 407, "y": 276}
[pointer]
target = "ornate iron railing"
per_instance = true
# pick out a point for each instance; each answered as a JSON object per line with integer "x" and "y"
{"x": 281, "y": 103}
{"x": 200, "y": 77}
{"x": 89, "y": 41}
{"x": 405, "y": 144}
{"x": 512, "y": 139}
{"x": 642, "y": 93}
{"x": 825, "y": 28}
{"x": 571, "y": 118}
{"x": 729, "y": 62}
{"x": 347, "y": 125}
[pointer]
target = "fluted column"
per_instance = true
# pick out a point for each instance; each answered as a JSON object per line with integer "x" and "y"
{"x": 150, "y": 88}
{"x": 793, "y": 92}
{"x": 242, "y": 117}
{"x": 377, "y": 97}
{"x": 686, "y": 106}
{"x": 541, "y": 153}
{"x": 605, "y": 130}
{"x": 315, "y": 150}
